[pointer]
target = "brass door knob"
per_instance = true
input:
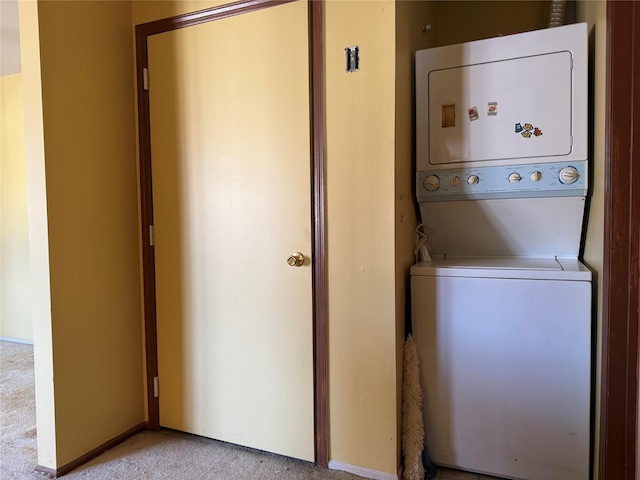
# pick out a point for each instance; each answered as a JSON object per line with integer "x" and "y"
{"x": 296, "y": 259}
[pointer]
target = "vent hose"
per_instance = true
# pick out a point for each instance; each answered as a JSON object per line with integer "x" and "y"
{"x": 557, "y": 11}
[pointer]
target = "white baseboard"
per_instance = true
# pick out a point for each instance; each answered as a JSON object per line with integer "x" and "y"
{"x": 16, "y": 340}
{"x": 361, "y": 471}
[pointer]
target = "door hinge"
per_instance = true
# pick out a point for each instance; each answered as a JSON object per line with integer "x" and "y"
{"x": 152, "y": 240}
{"x": 156, "y": 392}
{"x": 145, "y": 78}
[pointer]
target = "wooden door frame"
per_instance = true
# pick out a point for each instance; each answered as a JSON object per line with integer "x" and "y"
{"x": 621, "y": 272}
{"x": 317, "y": 124}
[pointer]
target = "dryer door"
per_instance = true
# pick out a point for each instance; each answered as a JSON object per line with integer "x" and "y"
{"x": 500, "y": 110}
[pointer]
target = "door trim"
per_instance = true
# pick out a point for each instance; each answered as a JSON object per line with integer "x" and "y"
{"x": 621, "y": 272}
{"x": 318, "y": 217}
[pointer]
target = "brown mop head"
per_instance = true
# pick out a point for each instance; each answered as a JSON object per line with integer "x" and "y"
{"x": 412, "y": 423}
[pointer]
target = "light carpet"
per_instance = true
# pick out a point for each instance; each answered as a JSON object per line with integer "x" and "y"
{"x": 159, "y": 455}
{"x": 166, "y": 454}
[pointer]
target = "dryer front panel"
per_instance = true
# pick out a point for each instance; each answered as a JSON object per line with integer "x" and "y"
{"x": 501, "y": 110}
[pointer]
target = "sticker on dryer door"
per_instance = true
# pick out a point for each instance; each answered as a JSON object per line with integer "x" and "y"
{"x": 528, "y": 130}
{"x": 473, "y": 114}
{"x": 449, "y": 115}
{"x": 492, "y": 109}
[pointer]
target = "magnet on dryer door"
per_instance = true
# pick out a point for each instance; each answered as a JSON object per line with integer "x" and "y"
{"x": 527, "y": 130}
{"x": 448, "y": 115}
{"x": 473, "y": 113}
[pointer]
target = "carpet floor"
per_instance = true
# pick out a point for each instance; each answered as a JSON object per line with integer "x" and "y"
{"x": 162, "y": 455}
{"x": 166, "y": 454}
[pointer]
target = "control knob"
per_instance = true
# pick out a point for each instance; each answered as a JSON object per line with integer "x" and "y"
{"x": 514, "y": 177}
{"x": 568, "y": 175}
{"x": 431, "y": 183}
{"x": 455, "y": 181}
{"x": 473, "y": 179}
{"x": 536, "y": 176}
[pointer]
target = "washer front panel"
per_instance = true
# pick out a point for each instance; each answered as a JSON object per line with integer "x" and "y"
{"x": 505, "y": 372}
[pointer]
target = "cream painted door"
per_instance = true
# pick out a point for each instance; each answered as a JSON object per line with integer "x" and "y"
{"x": 231, "y": 194}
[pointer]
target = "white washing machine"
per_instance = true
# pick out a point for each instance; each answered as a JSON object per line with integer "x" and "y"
{"x": 504, "y": 347}
{"x": 501, "y": 314}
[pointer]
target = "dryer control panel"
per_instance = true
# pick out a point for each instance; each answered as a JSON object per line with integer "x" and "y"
{"x": 558, "y": 179}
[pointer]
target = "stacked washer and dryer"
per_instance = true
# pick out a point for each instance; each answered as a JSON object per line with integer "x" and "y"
{"x": 501, "y": 313}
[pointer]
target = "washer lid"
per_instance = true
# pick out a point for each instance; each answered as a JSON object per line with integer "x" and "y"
{"x": 509, "y": 263}
{"x": 545, "y": 268}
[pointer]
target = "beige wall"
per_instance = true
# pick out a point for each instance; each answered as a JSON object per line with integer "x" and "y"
{"x": 82, "y": 187}
{"x": 150, "y": 10}
{"x": 360, "y": 109}
{"x": 15, "y": 276}
{"x": 411, "y": 17}
{"x": 38, "y": 234}
{"x": 464, "y": 21}
{"x": 595, "y": 13}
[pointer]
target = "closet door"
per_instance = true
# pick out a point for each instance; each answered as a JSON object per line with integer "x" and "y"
{"x": 230, "y": 146}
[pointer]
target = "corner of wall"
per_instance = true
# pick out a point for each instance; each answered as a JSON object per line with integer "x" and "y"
{"x": 412, "y": 30}
{"x": 86, "y": 303}
{"x": 594, "y": 13}
{"x": 38, "y": 234}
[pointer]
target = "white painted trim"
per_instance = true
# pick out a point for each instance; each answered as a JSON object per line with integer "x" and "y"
{"x": 16, "y": 340}
{"x": 361, "y": 471}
